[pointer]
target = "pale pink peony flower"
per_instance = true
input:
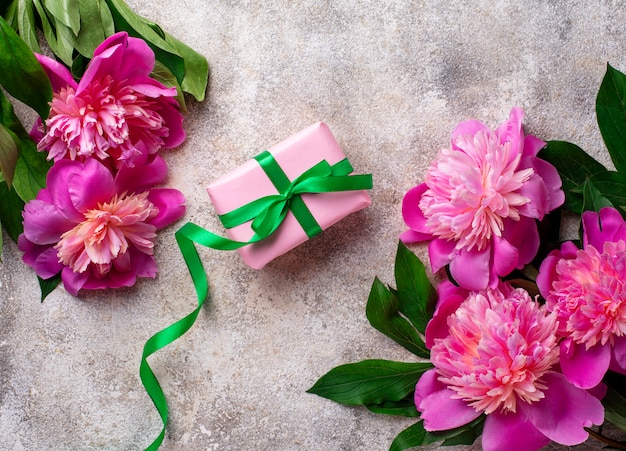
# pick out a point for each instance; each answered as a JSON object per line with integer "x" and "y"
{"x": 116, "y": 110}
{"x": 586, "y": 288}
{"x": 95, "y": 229}
{"x": 494, "y": 353}
{"x": 480, "y": 200}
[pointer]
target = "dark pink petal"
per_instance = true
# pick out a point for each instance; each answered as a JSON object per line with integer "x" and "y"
{"x": 448, "y": 303}
{"x": 551, "y": 178}
{"x": 60, "y": 77}
{"x": 73, "y": 281}
{"x": 511, "y": 131}
{"x": 411, "y": 236}
{"x": 171, "y": 205}
{"x": 583, "y": 367}
{"x": 43, "y": 223}
{"x": 511, "y": 431}
{"x": 43, "y": 259}
{"x": 619, "y": 351}
{"x": 547, "y": 272}
{"x": 569, "y": 250}
{"x": 440, "y": 253}
{"x": 174, "y": 122}
{"x": 144, "y": 265}
{"x": 441, "y": 412}
{"x": 57, "y": 182}
{"x": 536, "y": 191}
{"x": 141, "y": 177}
{"x": 472, "y": 269}
{"x": 564, "y": 412}
{"x": 93, "y": 185}
{"x": 467, "y": 128}
{"x": 411, "y": 212}
{"x": 532, "y": 146}
{"x": 524, "y": 236}
{"x": 600, "y": 227}
{"x": 427, "y": 385}
{"x": 505, "y": 256}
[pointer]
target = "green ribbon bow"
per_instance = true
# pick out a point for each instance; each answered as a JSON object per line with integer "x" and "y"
{"x": 267, "y": 214}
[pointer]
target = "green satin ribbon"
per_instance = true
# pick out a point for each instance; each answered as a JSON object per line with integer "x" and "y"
{"x": 267, "y": 214}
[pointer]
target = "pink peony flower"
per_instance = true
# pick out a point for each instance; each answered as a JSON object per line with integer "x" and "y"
{"x": 494, "y": 353}
{"x": 480, "y": 200}
{"x": 116, "y": 110}
{"x": 586, "y": 288}
{"x": 95, "y": 229}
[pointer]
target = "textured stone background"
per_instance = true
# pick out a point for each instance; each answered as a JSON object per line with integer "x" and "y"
{"x": 391, "y": 79}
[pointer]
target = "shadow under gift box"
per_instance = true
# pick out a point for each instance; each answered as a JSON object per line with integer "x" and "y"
{"x": 249, "y": 182}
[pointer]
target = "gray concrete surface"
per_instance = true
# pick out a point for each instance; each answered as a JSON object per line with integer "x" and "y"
{"x": 391, "y": 79}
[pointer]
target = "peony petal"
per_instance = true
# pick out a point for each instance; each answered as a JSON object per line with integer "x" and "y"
{"x": 426, "y": 385}
{"x": 44, "y": 223}
{"x": 73, "y": 281}
{"x": 600, "y": 227}
{"x": 464, "y": 129}
{"x": 411, "y": 212}
{"x": 440, "y": 253}
{"x": 447, "y": 304}
{"x": 619, "y": 352}
{"x": 171, "y": 205}
{"x": 411, "y": 236}
{"x": 57, "y": 182}
{"x": 145, "y": 265}
{"x": 141, "y": 176}
{"x": 92, "y": 186}
{"x": 547, "y": 272}
{"x": 532, "y": 146}
{"x": 47, "y": 264}
{"x": 583, "y": 367}
{"x": 550, "y": 177}
{"x": 524, "y": 236}
{"x": 472, "y": 269}
{"x": 505, "y": 256}
{"x": 536, "y": 191}
{"x": 60, "y": 77}
{"x": 564, "y": 412}
{"x": 520, "y": 434}
{"x": 511, "y": 131}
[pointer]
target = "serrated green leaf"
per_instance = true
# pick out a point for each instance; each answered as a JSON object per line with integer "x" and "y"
{"x": 26, "y": 26}
{"x": 405, "y": 407}
{"x": 162, "y": 74}
{"x": 196, "y": 69}
{"x": 125, "y": 19}
{"x": 31, "y": 170}
{"x": 369, "y": 382}
{"x": 383, "y": 314}
{"x": 65, "y": 12}
{"x": 9, "y": 151}
{"x": 21, "y": 75}
{"x": 47, "y": 286}
{"x": 92, "y": 30}
{"x": 11, "y": 207}
{"x": 416, "y": 295}
{"x": 574, "y": 166}
{"x": 593, "y": 200}
{"x": 611, "y": 115}
{"x": 409, "y": 438}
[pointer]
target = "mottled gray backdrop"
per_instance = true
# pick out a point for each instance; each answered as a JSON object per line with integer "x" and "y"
{"x": 391, "y": 79}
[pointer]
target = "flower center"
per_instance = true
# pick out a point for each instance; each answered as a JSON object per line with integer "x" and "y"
{"x": 107, "y": 232}
{"x": 589, "y": 294}
{"x": 498, "y": 348}
{"x": 472, "y": 191}
{"x": 105, "y": 119}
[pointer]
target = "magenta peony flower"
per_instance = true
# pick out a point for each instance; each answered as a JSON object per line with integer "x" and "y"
{"x": 586, "y": 288}
{"x": 96, "y": 230}
{"x": 116, "y": 110}
{"x": 494, "y": 353}
{"x": 480, "y": 200}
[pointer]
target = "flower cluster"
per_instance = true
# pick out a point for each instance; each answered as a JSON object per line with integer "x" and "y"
{"x": 530, "y": 367}
{"x": 95, "y": 222}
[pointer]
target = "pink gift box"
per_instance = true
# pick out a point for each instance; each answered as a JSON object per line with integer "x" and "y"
{"x": 249, "y": 182}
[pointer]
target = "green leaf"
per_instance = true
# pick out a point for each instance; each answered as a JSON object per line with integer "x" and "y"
{"x": 383, "y": 314}
{"x": 11, "y": 207}
{"x": 411, "y": 437}
{"x": 614, "y": 401}
{"x": 125, "y": 19}
{"x": 48, "y": 31}
{"x": 415, "y": 293}
{"x": 574, "y": 166}
{"x": 463, "y": 435}
{"x": 47, "y": 286}
{"x": 92, "y": 30}
{"x": 31, "y": 170}
{"x": 10, "y": 12}
{"x": 65, "y": 42}
{"x": 405, "y": 407}
{"x": 9, "y": 151}
{"x": 593, "y": 200}
{"x": 196, "y": 69}
{"x": 26, "y": 24}
{"x": 612, "y": 185}
{"x": 162, "y": 74}
{"x": 21, "y": 75}
{"x": 65, "y": 12}
{"x": 611, "y": 115}
{"x": 369, "y": 382}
